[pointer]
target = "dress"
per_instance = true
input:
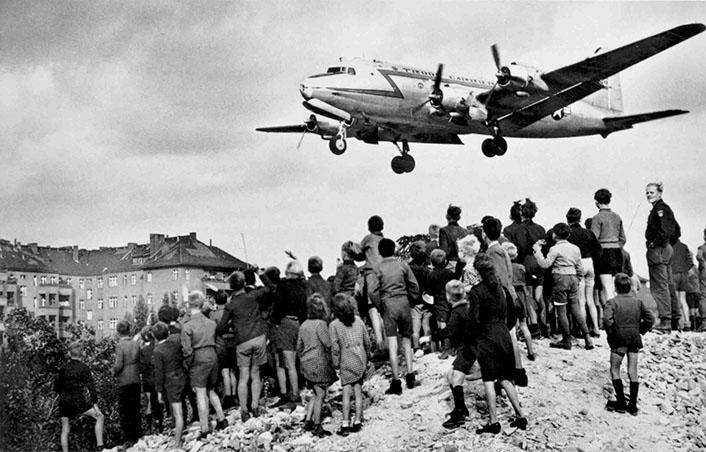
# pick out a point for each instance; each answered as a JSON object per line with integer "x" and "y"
{"x": 350, "y": 350}
{"x": 314, "y": 351}
{"x": 487, "y": 319}
{"x": 77, "y": 392}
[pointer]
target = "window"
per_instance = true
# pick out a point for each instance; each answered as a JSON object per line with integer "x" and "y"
{"x": 34, "y": 280}
{"x": 124, "y": 280}
{"x": 187, "y": 274}
{"x": 34, "y": 302}
{"x": 22, "y": 277}
{"x": 81, "y": 284}
{"x": 149, "y": 276}
{"x": 89, "y": 315}
{"x": 175, "y": 295}
{"x": 125, "y": 302}
{"x": 43, "y": 280}
{"x": 43, "y": 302}
{"x": 53, "y": 280}
{"x": 100, "y": 324}
{"x": 134, "y": 300}
{"x": 113, "y": 281}
{"x": 100, "y": 303}
{"x": 23, "y": 291}
{"x": 68, "y": 280}
{"x": 113, "y": 323}
{"x": 113, "y": 302}
{"x": 89, "y": 294}
{"x": 175, "y": 274}
{"x": 149, "y": 299}
{"x": 133, "y": 280}
{"x": 82, "y": 305}
{"x": 99, "y": 282}
{"x": 89, "y": 282}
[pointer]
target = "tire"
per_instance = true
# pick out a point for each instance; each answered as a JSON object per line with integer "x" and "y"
{"x": 500, "y": 145}
{"x": 398, "y": 164}
{"x": 488, "y": 147}
{"x": 337, "y": 145}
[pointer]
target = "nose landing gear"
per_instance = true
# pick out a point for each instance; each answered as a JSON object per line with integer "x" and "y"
{"x": 337, "y": 144}
{"x": 403, "y": 163}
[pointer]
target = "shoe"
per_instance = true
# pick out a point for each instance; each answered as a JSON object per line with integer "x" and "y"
{"x": 356, "y": 427}
{"x": 663, "y": 326}
{"x": 244, "y": 416}
{"x": 519, "y": 422}
{"x": 282, "y": 400}
{"x": 614, "y": 406}
{"x": 256, "y": 411}
{"x": 521, "y": 378}
{"x": 308, "y": 426}
{"x": 595, "y": 334}
{"x": 344, "y": 430}
{"x": 489, "y": 428}
{"x": 566, "y": 345}
{"x": 320, "y": 431}
{"x": 410, "y": 380}
{"x": 589, "y": 342}
{"x": 632, "y": 409}
{"x": 444, "y": 355}
{"x": 395, "y": 387}
{"x": 202, "y": 435}
{"x": 531, "y": 356}
{"x": 223, "y": 423}
{"x": 455, "y": 420}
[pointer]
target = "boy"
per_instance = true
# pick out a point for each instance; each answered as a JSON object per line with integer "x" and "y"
{"x": 392, "y": 286}
{"x": 564, "y": 259}
{"x": 626, "y": 318}
{"x": 436, "y": 283}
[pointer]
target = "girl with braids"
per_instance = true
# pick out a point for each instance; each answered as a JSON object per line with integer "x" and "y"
{"x": 490, "y": 305}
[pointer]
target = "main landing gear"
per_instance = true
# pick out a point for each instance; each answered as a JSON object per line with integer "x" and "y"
{"x": 496, "y": 145}
{"x": 402, "y": 163}
{"x": 337, "y": 144}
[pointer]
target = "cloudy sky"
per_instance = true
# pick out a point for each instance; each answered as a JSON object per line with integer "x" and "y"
{"x": 118, "y": 119}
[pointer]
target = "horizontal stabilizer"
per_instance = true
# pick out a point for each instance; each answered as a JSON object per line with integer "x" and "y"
{"x": 613, "y": 124}
{"x": 299, "y": 128}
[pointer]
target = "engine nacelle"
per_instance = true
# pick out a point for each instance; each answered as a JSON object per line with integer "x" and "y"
{"x": 517, "y": 77}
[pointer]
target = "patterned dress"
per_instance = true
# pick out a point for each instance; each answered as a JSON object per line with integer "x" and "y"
{"x": 350, "y": 349}
{"x": 314, "y": 351}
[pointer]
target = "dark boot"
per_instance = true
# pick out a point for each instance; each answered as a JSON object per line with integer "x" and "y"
{"x": 632, "y": 405}
{"x": 395, "y": 387}
{"x": 619, "y": 404}
{"x": 521, "y": 378}
{"x": 410, "y": 380}
{"x": 589, "y": 342}
{"x": 459, "y": 400}
{"x": 564, "y": 343}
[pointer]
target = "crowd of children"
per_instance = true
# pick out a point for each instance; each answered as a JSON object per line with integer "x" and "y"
{"x": 465, "y": 292}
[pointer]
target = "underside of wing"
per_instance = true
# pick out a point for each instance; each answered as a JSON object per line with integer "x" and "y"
{"x": 614, "y": 124}
{"x": 436, "y": 138}
{"x": 606, "y": 64}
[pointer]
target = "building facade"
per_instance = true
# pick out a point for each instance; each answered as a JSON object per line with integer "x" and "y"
{"x": 100, "y": 287}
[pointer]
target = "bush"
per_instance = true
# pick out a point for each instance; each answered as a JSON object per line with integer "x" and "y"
{"x": 29, "y": 418}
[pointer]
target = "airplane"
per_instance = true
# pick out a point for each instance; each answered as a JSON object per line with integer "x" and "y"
{"x": 376, "y": 101}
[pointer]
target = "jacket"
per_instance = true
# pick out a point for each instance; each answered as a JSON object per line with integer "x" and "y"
{"x": 392, "y": 280}
{"x": 448, "y": 235}
{"x": 625, "y": 318}
{"x": 662, "y": 227}
{"x": 127, "y": 362}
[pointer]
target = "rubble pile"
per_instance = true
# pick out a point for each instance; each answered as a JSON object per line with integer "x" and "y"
{"x": 565, "y": 403}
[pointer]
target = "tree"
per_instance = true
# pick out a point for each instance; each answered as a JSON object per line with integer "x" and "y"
{"x": 406, "y": 241}
{"x": 141, "y": 312}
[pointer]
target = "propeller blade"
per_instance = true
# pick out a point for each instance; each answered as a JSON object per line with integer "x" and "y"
{"x": 490, "y": 94}
{"x": 437, "y": 78}
{"x": 420, "y": 106}
{"x": 300, "y": 140}
{"x": 496, "y": 56}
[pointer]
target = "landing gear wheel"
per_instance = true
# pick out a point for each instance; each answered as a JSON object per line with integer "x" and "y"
{"x": 500, "y": 145}
{"x": 337, "y": 145}
{"x": 403, "y": 164}
{"x": 488, "y": 147}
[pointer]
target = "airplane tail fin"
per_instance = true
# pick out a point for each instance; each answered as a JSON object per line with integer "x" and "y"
{"x": 610, "y": 98}
{"x": 616, "y": 123}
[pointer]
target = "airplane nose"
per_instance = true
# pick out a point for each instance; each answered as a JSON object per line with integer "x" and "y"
{"x": 305, "y": 90}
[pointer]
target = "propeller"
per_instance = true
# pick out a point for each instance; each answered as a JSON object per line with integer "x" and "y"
{"x": 311, "y": 126}
{"x": 503, "y": 73}
{"x": 437, "y": 95}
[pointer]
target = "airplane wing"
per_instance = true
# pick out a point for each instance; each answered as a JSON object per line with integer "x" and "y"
{"x": 576, "y": 81}
{"x": 626, "y": 122}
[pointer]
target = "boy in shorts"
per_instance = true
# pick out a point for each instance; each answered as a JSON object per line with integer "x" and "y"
{"x": 625, "y": 319}
{"x": 392, "y": 286}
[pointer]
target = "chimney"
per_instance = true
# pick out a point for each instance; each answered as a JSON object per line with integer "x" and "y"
{"x": 131, "y": 246}
{"x": 192, "y": 235}
{"x": 33, "y": 247}
{"x": 74, "y": 250}
{"x": 156, "y": 242}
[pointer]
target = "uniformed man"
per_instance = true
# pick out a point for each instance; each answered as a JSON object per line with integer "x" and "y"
{"x": 662, "y": 230}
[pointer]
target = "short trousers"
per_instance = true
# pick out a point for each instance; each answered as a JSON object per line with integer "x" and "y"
{"x": 397, "y": 317}
{"x": 286, "y": 334}
{"x": 465, "y": 357}
{"x": 621, "y": 351}
{"x": 681, "y": 282}
{"x": 565, "y": 290}
{"x": 610, "y": 261}
{"x": 253, "y": 351}
{"x": 441, "y": 311}
{"x": 589, "y": 273}
{"x": 204, "y": 370}
{"x": 226, "y": 351}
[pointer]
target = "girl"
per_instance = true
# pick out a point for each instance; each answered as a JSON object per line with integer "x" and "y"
{"x": 73, "y": 380}
{"x": 314, "y": 351}
{"x": 350, "y": 349}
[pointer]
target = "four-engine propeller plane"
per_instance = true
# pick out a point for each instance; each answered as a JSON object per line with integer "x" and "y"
{"x": 377, "y": 101}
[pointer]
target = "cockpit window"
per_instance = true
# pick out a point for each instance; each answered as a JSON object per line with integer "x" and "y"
{"x": 340, "y": 70}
